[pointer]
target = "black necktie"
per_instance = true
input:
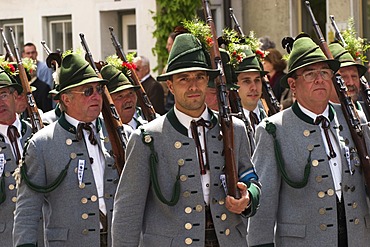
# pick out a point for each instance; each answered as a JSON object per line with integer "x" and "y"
{"x": 254, "y": 119}
{"x": 194, "y": 131}
{"x": 325, "y": 125}
{"x": 87, "y": 127}
{"x": 13, "y": 136}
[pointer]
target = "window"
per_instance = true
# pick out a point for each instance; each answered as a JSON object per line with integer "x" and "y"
{"x": 60, "y": 33}
{"x": 17, "y": 27}
{"x": 129, "y": 31}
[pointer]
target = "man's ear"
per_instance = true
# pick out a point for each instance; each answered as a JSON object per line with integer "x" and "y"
{"x": 291, "y": 83}
{"x": 170, "y": 86}
{"x": 66, "y": 99}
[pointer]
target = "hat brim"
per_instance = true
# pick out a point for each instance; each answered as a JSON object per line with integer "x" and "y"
{"x": 212, "y": 73}
{"x": 361, "y": 69}
{"x": 263, "y": 72}
{"x": 124, "y": 87}
{"x": 333, "y": 65}
{"x": 16, "y": 86}
{"x": 83, "y": 82}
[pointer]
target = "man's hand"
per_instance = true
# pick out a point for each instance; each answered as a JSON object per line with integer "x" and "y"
{"x": 237, "y": 206}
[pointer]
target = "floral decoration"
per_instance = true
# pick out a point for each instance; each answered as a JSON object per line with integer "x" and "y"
{"x": 200, "y": 30}
{"x": 11, "y": 67}
{"x": 125, "y": 67}
{"x": 356, "y": 46}
{"x": 236, "y": 45}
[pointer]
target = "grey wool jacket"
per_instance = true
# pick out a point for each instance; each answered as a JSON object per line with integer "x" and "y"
{"x": 307, "y": 216}
{"x": 70, "y": 211}
{"x": 7, "y": 207}
{"x": 137, "y": 209}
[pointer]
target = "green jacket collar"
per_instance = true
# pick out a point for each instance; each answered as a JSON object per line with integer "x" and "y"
{"x": 297, "y": 111}
{"x": 70, "y": 128}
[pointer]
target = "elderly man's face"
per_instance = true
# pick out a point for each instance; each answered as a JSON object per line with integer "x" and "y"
{"x": 125, "y": 102}
{"x": 82, "y": 107}
{"x": 352, "y": 80}
{"x": 7, "y": 106}
{"x": 312, "y": 86}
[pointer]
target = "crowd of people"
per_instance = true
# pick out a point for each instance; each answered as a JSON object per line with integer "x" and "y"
{"x": 300, "y": 172}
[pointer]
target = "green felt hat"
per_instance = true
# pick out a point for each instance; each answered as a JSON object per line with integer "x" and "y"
{"x": 306, "y": 52}
{"x": 117, "y": 81}
{"x": 74, "y": 72}
{"x": 345, "y": 58}
{"x": 187, "y": 54}
{"x": 229, "y": 71}
{"x": 249, "y": 64}
{"x": 6, "y": 81}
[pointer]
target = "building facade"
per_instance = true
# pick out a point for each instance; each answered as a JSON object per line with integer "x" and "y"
{"x": 59, "y": 23}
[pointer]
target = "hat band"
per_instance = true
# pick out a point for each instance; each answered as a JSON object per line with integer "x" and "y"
{"x": 183, "y": 65}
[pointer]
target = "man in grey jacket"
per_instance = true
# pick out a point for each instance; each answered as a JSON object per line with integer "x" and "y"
{"x": 165, "y": 195}
{"x": 68, "y": 174}
{"x": 13, "y": 134}
{"x": 313, "y": 188}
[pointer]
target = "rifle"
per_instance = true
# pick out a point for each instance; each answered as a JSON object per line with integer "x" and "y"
{"x": 226, "y": 122}
{"x": 142, "y": 97}
{"x": 237, "y": 109}
{"x": 234, "y": 98}
{"x": 32, "y": 109}
{"x": 112, "y": 120}
{"x": 269, "y": 101}
{"x": 54, "y": 59}
{"x": 364, "y": 85}
{"x": 348, "y": 108}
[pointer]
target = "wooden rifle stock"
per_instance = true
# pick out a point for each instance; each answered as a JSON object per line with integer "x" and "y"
{"x": 112, "y": 120}
{"x": 142, "y": 97}
{"x": 269, "y": 101}
{"x": 224, "y": 110}
{"x": 32, "y": 109}
{"x": 348, "y": 108}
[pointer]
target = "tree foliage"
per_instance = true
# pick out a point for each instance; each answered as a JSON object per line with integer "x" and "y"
{"x": 170, "y": 13}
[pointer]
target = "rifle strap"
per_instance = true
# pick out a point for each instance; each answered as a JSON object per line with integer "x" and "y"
{"x": 153, "y": 160}
{"x": 271, "y": 129}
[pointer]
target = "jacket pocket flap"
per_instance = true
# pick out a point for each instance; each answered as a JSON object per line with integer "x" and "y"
{"x": 292, "y": 230}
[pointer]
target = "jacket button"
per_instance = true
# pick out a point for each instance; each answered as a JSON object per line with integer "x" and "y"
{"x": 188, "y": 241}
{"x": 188, "y": 226}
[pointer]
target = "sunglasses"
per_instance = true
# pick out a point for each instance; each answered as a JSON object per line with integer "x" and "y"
{"x": 90, "y": 90}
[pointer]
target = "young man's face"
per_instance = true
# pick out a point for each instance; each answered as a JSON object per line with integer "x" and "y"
{"x": 250, "y": 89}
{"x": 189, "y": 90}
{"x": 30, "y": 52}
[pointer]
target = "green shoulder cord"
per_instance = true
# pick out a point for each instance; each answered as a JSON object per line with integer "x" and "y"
{"x": 47, "y": 188}
{"x": 271, "y": 129}
{"x": 153, "y": 159}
